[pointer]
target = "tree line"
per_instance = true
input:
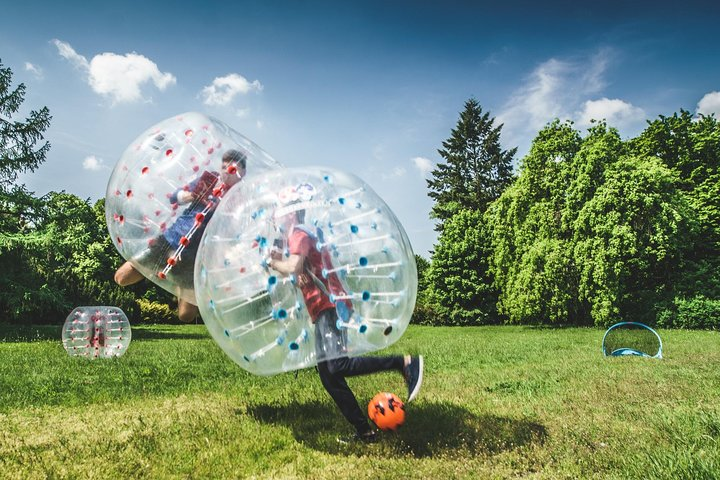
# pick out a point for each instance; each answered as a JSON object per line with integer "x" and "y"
{"x": 592, "y": 230}
{"x": 55, "y": 251}
{"x": 589, "y": 229}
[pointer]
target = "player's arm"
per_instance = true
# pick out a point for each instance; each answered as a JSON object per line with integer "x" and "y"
{"x": 292, "y": 265}
{"x": 184, "y": 195}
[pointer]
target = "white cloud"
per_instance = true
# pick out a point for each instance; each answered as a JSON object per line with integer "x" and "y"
{"x": 616, "y": 112}
{"x": 561, "y": 89}
{"x": 93, "y": 163}
{"x": 119, "y": 77}
{"x": 396, "y": 172}
{"x": 242, "y": 112}
{"x": 260, "y": 124}
{"x": 35, "y": 70}
{"x": 223, "y": 90}
{"x": 423, "y": 165}
{"x": 709, "y": 103}
{"x": 69, "y": 53}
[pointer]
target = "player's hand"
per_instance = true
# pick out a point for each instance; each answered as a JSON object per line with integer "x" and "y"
{"x": 302, "y": 280}
{"x": 185, "y": 197}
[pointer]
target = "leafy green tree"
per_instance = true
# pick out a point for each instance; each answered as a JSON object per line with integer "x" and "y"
{"x": 476, "y": 168}
{"x": 629, "y": 240}
{"x": 588, "y": 233}
{"x": 423, "y": 265}
{"x": 690, "y": 147}
{"x": 67, "y": 260}
{"x": 530, "y": 239}
{"x": 459, "y": 287}
{"x": 423, "y": 314}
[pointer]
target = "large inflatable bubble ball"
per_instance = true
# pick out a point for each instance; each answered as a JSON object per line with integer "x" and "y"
{"x": 165, "y": 188}
{"x": 358, "y": 262}
{"x": 96, "y": 332}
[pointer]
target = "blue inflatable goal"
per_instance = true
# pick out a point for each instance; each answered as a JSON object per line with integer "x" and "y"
{"x": 631, "y": 338}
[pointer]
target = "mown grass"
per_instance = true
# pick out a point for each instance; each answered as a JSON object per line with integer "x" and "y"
{"x": 497, "y": 402}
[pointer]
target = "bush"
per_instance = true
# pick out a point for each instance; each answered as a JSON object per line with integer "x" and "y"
{"x": 425, "y": 314}
{"x": 155, "y": 312}
{"x": 696, "y": 313}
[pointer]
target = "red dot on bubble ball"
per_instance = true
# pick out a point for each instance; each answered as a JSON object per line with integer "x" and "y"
{"x": 184, "y": 241}
{"x": 129, "y": 193}
{"x": 161, "y": 275}
{"x": 119, "y": 240}
{"x": 199, "y": 217}
{"x": 210, "y": 150}
{"x": 196, "y": 168}
{"x": 168, "y": 152}
{"x": 232, "y": 169}
{"x": 188, "y": 133}
{"x": 145, "y": 170}
{"x": 242, "y": 269}
{"x": 171, "y": 261}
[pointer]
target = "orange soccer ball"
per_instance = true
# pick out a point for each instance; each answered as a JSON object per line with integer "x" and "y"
{"x": 387, "y": 411}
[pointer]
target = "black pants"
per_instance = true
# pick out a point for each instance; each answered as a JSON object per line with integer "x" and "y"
{"x": 330, "y": 342}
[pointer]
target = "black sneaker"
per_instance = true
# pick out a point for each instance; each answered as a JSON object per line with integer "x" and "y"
{"x": 413, "y": 376}
{"x": 370, "y": 436}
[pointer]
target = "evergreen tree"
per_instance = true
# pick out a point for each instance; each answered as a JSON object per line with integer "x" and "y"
{"x": 18, "y": 153}
{"x": 476, "y": 169}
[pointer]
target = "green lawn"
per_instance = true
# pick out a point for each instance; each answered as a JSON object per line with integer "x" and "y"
{"x": 497, "y": 402}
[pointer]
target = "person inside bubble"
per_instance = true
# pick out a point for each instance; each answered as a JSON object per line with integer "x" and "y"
{"x": 303, "y": 260}
{"x": 175, "y": 249}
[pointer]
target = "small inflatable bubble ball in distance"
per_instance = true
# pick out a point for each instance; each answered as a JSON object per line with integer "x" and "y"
{"x": 96, "y": 332}
{"x": 386, "y": 411}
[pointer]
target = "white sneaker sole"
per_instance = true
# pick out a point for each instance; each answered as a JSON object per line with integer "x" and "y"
{"x": 416, "y": 390}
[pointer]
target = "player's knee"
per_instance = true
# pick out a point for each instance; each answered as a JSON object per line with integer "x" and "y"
{"x": 121, "y": 278}
{"x": 337, "y": 365}
{"x": 187, "y": 313}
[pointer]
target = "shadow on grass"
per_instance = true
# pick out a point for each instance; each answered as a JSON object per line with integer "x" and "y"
{"x": 430, "y": 430}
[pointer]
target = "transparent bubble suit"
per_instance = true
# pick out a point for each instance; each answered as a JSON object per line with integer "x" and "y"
{"x": 258, "y": 316}
{"x": 96, "y": 332}
{"x": 148, "y": 223}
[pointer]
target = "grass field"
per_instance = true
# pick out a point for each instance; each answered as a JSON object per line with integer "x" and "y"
{"x": 497, "y": 402}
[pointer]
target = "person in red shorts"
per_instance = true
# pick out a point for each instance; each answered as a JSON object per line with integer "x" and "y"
{"x": 305, "y": 262}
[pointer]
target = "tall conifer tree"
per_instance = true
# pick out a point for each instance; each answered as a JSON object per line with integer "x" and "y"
{"x": 476, "y": 168}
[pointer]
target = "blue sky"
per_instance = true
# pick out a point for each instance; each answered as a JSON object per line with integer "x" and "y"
{"x": 370, "y": 87}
